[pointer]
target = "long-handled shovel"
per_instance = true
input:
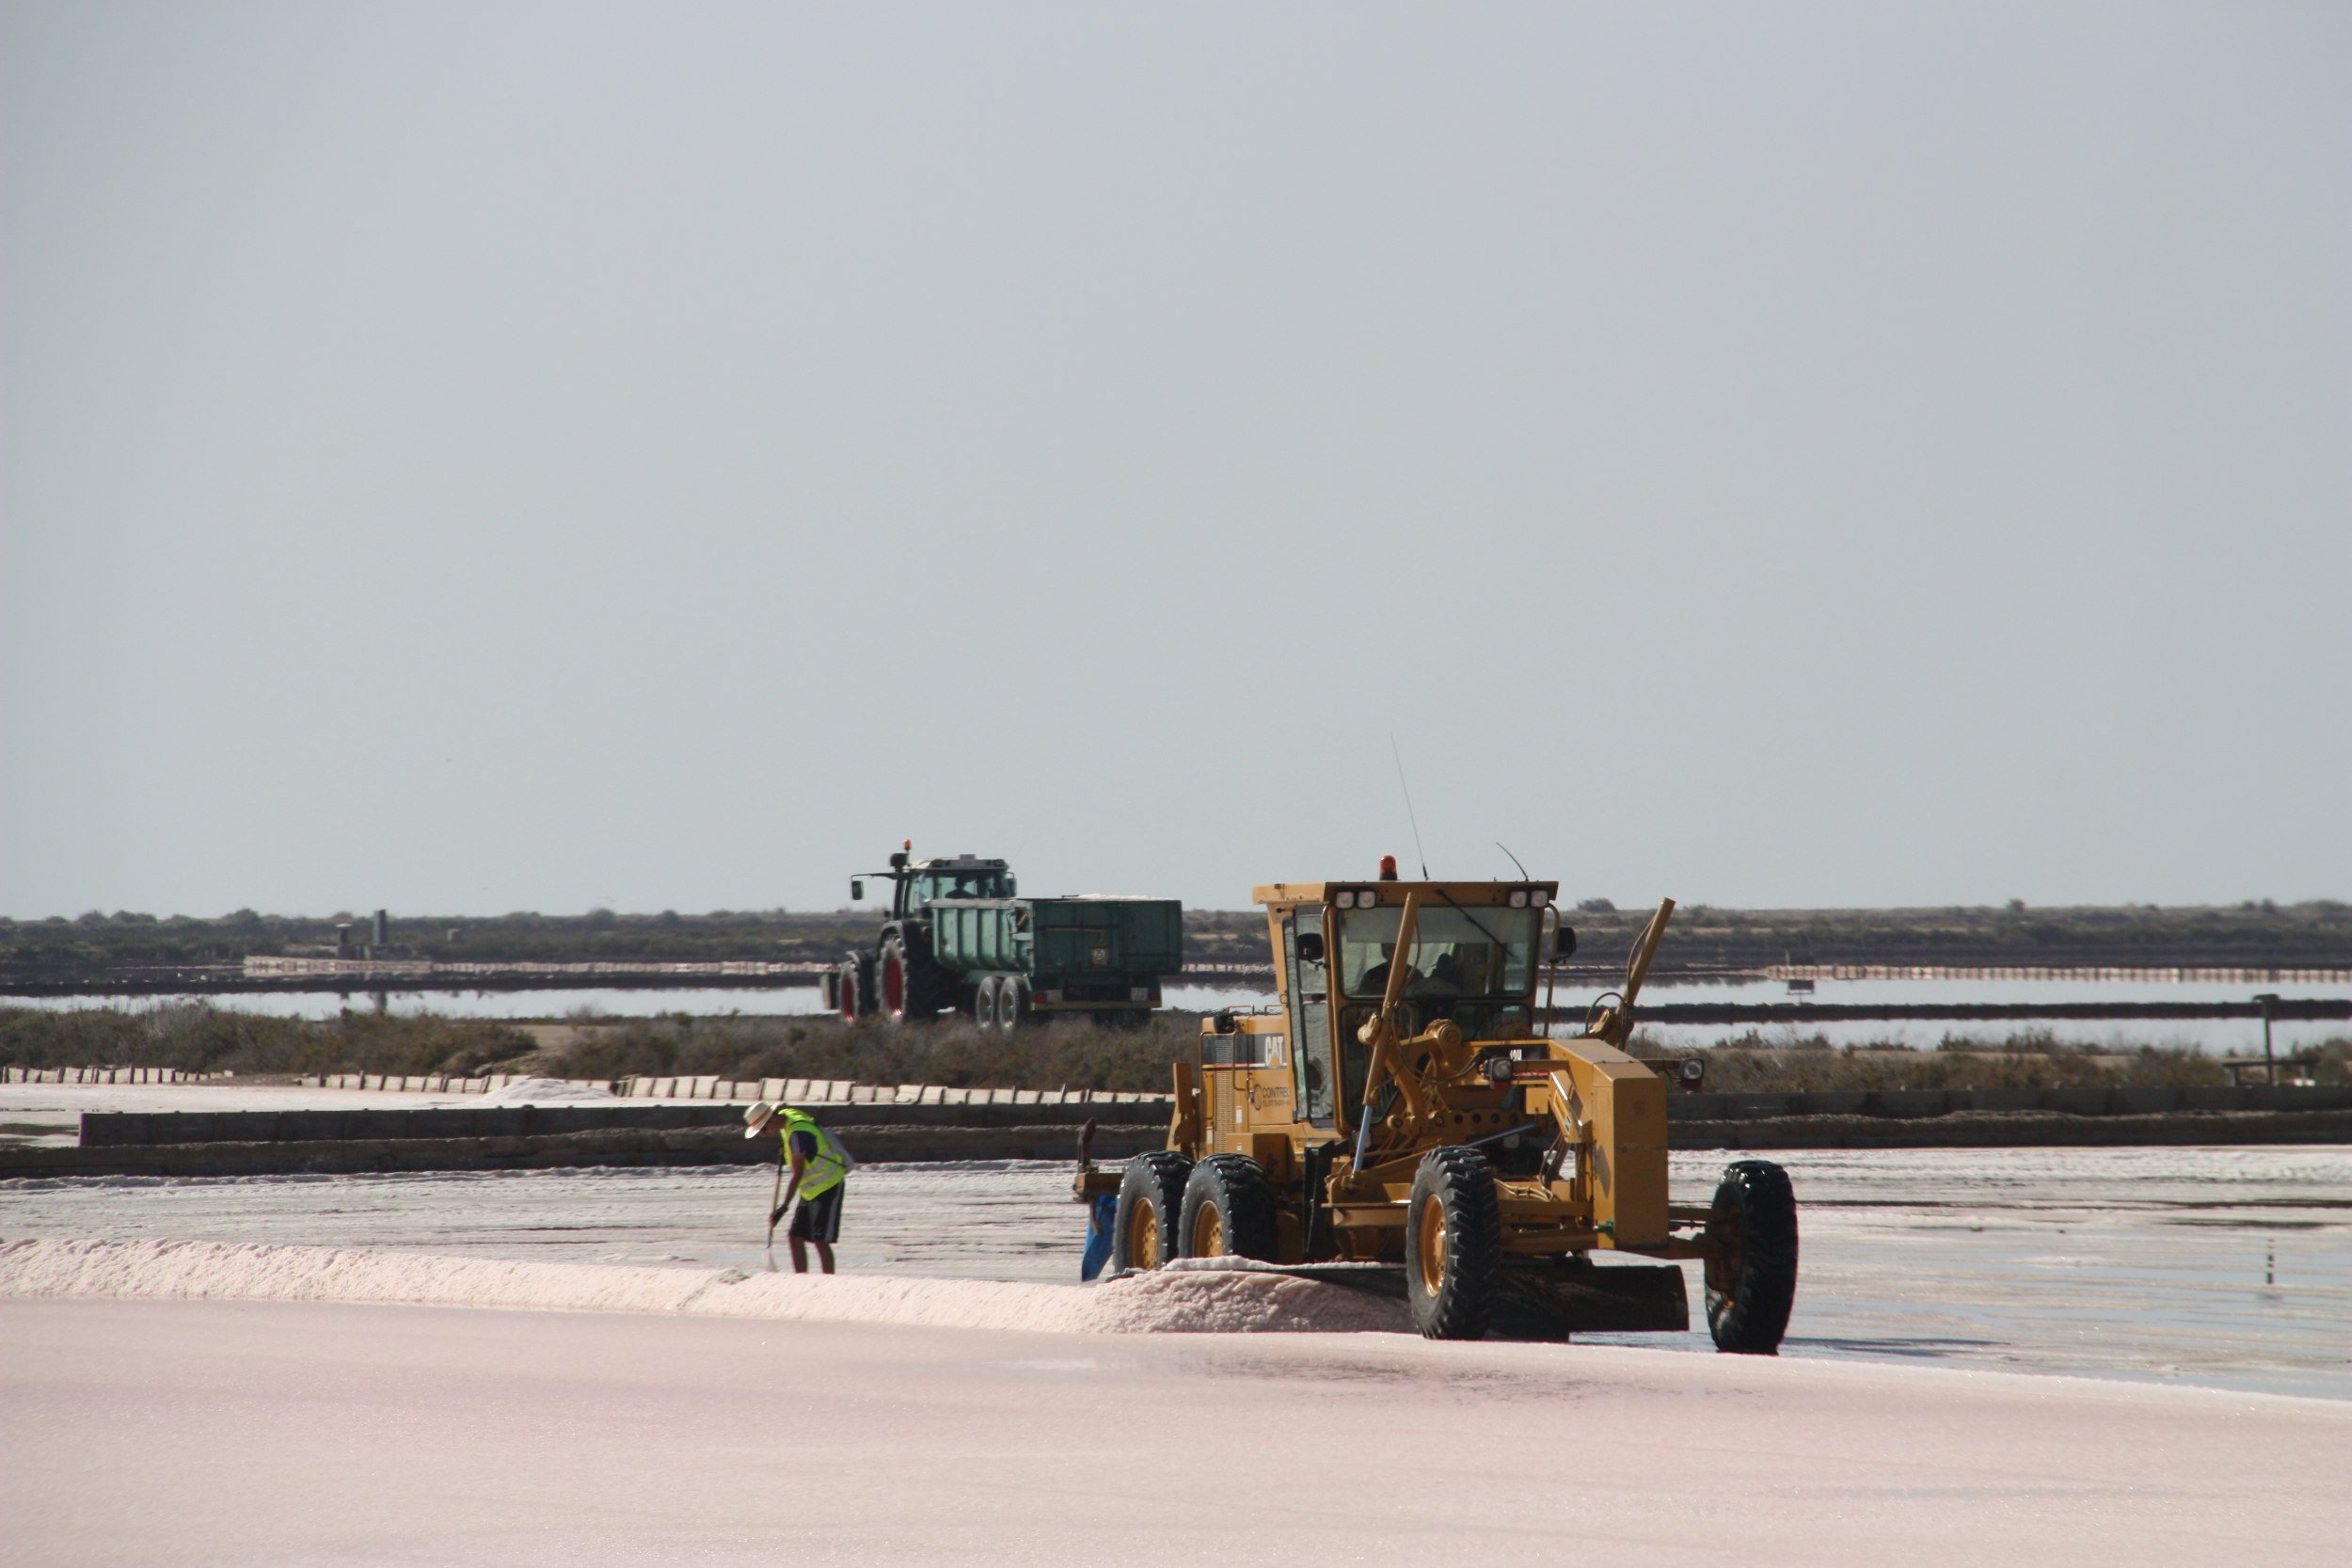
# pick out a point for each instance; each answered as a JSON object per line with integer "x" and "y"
{"x": 775, "y": 1204}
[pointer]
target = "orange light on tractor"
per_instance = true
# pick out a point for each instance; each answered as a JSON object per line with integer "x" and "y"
{"x": 1388, "y": 868}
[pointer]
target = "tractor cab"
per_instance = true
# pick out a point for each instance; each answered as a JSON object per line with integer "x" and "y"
{"x": 964, "y": 877}
{"x": 915, "y": 884}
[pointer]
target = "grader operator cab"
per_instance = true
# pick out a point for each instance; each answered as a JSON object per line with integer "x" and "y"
{"x": 1406, "y": 1102}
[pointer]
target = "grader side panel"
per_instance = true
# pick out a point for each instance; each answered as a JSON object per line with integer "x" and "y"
{"x": 1217, "y": 1117}
{"x": 1184, "y": 1126}
{"x": 1621, "y": 1106}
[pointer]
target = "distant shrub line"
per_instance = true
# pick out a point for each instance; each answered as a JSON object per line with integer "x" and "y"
{"x": 2319, "y": 931}
{"x": 2028, "y": 1060}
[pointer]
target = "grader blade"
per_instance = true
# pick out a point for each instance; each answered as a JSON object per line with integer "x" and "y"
{"x": 1570, "y": 1297}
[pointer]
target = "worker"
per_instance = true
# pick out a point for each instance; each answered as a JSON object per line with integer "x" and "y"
{"x": 819, "y": 1168}
{"x": 1376, "y": 979}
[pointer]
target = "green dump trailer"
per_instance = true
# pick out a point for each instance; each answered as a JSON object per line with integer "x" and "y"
{"x": 961, "y": 940}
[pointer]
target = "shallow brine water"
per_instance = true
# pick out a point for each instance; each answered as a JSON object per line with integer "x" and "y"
{"x": 2229, "y": 1267}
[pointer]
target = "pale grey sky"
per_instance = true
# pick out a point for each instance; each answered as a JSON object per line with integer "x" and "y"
{"x": 473, "y": 457}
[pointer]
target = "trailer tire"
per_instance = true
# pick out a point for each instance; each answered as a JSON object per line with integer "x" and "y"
{"x": 1751, "y": 1258}
{"x": 1013, "y": 1002}
{"x": 1229, "y": 1211}
{"x": 1452, "y": 1244}
{"x": 984, "y": 1001}
{"x": 1144, "y": 1226}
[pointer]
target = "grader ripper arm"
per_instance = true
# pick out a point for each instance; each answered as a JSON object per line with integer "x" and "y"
{"x": 1418, "y": 1117}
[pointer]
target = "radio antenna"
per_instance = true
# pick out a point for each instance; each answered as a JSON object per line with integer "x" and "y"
{"x": 1514, "y": 861}
{"x": 1418, "y": 852}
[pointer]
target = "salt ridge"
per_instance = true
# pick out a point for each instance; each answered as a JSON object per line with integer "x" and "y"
{"x": 1194, "y": 1301}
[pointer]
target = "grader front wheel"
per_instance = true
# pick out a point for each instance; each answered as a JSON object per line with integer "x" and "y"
{"x": 1452, "y": 1244}
{"x": 1751, "y": 1258}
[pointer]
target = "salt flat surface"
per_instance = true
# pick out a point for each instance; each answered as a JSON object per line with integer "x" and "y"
{"x": 221, "y": 1433}
{"x": 2226, "y": 1267}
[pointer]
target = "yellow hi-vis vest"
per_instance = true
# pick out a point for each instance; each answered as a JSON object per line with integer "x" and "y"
{"x": 828, "y": 1167}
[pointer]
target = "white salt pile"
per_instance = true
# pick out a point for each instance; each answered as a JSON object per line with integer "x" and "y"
{"x": 544, "y": 1091}
{"x": 1214, "y": 1301}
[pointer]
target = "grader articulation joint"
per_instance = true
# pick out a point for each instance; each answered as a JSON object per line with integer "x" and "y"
{"x": 1406, "y": 1103}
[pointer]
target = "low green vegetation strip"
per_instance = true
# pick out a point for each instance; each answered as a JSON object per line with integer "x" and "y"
{"x": 206, "y": 1038}
{"x": 1756, "y": 1064}
{"x": 203, "y": 1038}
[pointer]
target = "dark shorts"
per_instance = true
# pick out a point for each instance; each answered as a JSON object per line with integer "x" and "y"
{"x": 819, "y": 1218}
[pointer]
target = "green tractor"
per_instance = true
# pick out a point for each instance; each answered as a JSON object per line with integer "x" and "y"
{"x": 960, "y": 940}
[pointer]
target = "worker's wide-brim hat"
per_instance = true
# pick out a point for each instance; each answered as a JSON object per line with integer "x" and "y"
{"x": 755, "y": 1119}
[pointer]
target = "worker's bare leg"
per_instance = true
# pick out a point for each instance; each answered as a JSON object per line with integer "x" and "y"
{"x": 799, "y": 1255}
{"x": 824, "y": 1256}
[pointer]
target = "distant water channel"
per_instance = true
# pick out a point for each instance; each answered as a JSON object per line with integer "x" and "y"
{"x": 2228, "y": 1037}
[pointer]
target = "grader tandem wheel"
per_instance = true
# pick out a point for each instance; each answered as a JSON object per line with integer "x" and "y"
{"x": 1456, "y": 1278}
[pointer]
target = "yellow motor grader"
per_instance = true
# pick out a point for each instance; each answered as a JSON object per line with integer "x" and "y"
{"x": 1406, "y": 1102}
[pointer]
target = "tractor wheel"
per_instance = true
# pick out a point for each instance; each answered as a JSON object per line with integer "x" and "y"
{"x": 1229, "y": 1209}
{"x": 1751, "y": 1258}
{"x": 984, "y": 1001}
{"x": 1452, "y": 1244}
{"x": 895, "y": 983}
{"x": 1013, "y": 1002}
{"x": 1144, "y": 1228}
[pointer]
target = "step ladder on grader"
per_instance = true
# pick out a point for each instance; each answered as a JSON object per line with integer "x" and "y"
{"x": 1406, "y": 1102}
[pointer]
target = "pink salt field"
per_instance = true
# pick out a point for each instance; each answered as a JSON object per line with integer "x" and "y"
{"x": 335, "y": 1348}
{"x": 2229, "y": 1267}
{"x": 232, "y": 1431}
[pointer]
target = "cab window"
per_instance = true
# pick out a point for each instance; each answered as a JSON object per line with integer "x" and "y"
{"x": 1309, "y": 999}
{"x": 1459, "y": 953}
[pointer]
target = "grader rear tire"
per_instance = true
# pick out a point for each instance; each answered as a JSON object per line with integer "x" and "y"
{"x": 1228, "y": 1210}
{"x": 1751, "y": 1258}
{"x": 1145, "y": 1232}
{"x": 1452, "y": 1244}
